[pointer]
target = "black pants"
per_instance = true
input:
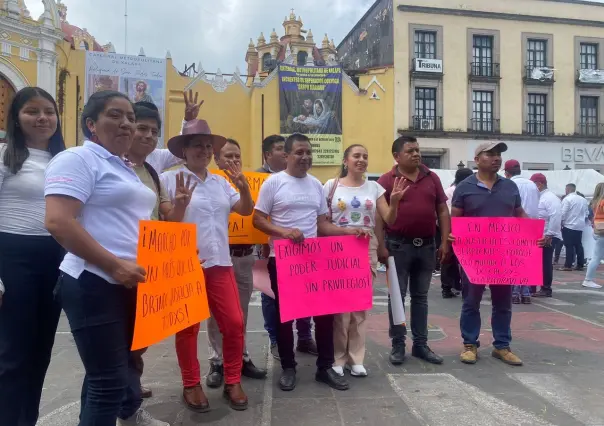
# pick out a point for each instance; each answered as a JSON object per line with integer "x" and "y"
{"x": 450, "y": 278}
{"x": 437, "y": 242}
{"x": 285, "y": 332}
{"x": 29, "y": 268}
{"x": 414, "y": 267}
{"x": 574, "y": 246}
{"x": 101, "y": 316}
{"x": 548, "y": 266}
{"x": 557, "y": 244}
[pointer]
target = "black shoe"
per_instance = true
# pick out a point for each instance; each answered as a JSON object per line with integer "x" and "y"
{"x": 543, "y": 293}
{"x": 307, "y": 347}
{"x": 275, "y": 351}
{"x": 425, "y": 353}
{"x": 332, "y": 379}
{"x": 397, "y": 356}
{"x": 449, "y": 294}
{"x": 215, "y": 376}
{"x": 287, "y": 382}
{"x": 250, "y": 370}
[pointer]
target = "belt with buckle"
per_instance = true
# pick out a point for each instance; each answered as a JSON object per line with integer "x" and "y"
{"x": 416, "y": 242}
{"x": 241, "y": 252}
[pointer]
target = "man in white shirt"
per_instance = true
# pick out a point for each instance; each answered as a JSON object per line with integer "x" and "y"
{"x": 529, "y": 198}
{"x": 550, "y": 210}
{"x": 297, "y": 208}
{"x": 575, "y": 210}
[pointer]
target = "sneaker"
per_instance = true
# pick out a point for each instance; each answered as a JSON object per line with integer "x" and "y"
{"x": 339, "y": 370}
{"x": 357, "y": 370}
{"x": 141, "y": 418}
{"x": 507, "y": 356}
{"x": 275, "y": 351}
{"x": 381, "y": 268}
{"x": 469, "y": 354}
{"x": 450, "y": 294}
{"x": 436, "y": 274}
{"x": 215, "y": 376}
{"x": 526, "y": 300}
{"x": 590, "y": 284}
{"x": 543, "y": 293}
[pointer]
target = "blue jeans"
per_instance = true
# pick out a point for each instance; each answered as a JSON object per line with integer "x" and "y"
{"x": 596, "y": 257}
{"x": 523, "y": 290}
{"x": 269, "y": 312}
{"x": 501, "y": 317}
{"x": 101, "y": 316}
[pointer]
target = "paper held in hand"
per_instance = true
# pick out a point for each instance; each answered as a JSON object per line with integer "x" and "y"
{"x": 396, "y": 299}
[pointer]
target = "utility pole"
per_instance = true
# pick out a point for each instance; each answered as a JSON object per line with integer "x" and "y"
{"x": 126, "y": 27}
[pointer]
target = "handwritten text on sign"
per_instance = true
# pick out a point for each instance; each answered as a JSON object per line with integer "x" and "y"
{"x": 174, "y": 295}
{"x": 241, "y": 229}
{"x": 323, "y": 276}
{"x": 496, "y": 250}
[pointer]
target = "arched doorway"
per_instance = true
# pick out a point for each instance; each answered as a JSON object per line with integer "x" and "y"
{"x": 7, "y": 93}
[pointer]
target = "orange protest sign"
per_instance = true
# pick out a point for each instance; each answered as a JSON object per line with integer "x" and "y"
{"x": 241, "y": 229}
{"x": 174, "y": 296}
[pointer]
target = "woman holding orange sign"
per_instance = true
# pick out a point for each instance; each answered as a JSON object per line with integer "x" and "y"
{"x": 211, "y": 204}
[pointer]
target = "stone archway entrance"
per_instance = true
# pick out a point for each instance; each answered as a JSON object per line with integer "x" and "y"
{"x": 7, "y": 93}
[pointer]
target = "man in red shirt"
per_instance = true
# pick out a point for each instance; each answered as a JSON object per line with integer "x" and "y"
{"x": 411, "y": 242}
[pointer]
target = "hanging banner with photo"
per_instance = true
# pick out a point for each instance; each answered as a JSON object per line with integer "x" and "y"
{"x": 142, "y": 79}
{"x": 311, "y": 103}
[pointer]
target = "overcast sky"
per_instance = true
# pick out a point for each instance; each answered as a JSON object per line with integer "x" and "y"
{"x": 215, "y": 32}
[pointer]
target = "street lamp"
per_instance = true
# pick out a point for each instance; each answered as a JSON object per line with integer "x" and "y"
{"x": 461, "y": 165}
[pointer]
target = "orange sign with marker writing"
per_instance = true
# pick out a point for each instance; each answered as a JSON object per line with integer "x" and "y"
{"x": 241, "y": 229}
{"x": 174, "y": 296}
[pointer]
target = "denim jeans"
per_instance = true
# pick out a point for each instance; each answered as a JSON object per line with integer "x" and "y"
{"x": 501, "y": 317}
{"x": 29, "y": 269}
{"x": 101, "y": 316}
{"x": 596, "y": 257}
{"x": 521, "y": 290}
{"x": 285, "y": 340}
{"x": 269, "y": 312}
{"x": 414, "y": 267}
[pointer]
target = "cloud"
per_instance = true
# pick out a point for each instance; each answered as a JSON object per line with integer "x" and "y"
{"x": 215, "y": 33}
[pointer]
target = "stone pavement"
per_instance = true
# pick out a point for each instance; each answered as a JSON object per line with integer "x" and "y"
{"x": 561, "y": 341}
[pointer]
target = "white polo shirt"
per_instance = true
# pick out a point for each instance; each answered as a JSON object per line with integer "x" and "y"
{"x": 209, "y": 209}
{"x": 114, "y": 201}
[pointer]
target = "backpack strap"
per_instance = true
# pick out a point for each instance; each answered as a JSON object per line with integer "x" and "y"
{"x": 332, "y": 192}
{"x": 154, "y": 176}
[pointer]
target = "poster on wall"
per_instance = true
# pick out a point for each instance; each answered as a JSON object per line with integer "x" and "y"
{"x": 311, "y": 103}
{"x": 143, "y": 79}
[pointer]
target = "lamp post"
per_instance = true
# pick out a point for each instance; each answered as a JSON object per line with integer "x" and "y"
{"x": 461, "y": 165}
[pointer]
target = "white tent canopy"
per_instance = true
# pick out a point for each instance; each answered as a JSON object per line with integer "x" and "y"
{"x": 586, "y": 180}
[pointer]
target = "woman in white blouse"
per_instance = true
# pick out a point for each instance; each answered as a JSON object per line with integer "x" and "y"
{"x": 357, "y": 202}
{"x": 29, "y": 256}
{"x": 94, "y": 202}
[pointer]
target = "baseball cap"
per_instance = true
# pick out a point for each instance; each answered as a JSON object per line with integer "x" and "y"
{"x": 511, "y": 164}
{"x": 487, "y": 146}
{"x": 539, "y": 178}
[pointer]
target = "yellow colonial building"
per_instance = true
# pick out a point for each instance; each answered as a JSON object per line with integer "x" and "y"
{"x": 527, "y": 72}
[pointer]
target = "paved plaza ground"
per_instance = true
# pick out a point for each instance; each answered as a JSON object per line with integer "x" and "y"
{"x": 561, "y": 341}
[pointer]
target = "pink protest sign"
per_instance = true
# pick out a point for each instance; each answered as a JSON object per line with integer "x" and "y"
{"x": 499, "y": 250}
{"x": 322, "y": 276}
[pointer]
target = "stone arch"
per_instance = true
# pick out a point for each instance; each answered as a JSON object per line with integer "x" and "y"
{"x": 13, "y": 76}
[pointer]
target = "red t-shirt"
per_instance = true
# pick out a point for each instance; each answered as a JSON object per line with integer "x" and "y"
{"x": 417, "y": 211}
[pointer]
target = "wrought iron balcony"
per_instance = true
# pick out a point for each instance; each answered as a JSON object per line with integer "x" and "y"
{"x": 427, "y": 124}
{"x": 485, "y": 70}
{"x": 479, "y": 125}
{"x": 539, "y": 128}
{"x": 590, "y": 129}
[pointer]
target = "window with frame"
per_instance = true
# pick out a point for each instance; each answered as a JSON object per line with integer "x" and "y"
{"x": 536, "y": 114}
{"x": 589, "y": 115}
{"x": 536, "y": 53}
{"x": 425, "y": 108}
{"x": 482, "y": 111}
{"x": 482, "y": 56}
{"x": 425, "y": 44}
{"x": 588, "y": 54}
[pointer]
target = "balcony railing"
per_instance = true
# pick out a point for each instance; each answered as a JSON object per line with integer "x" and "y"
{"x": 590, "y": 129}
{"x": 427, "y": 124}
{"x": 539, "y": 74}
{"x": 539, "y": 128}
{"x": 479, "y": 125}
{"x": 485, "y": 70}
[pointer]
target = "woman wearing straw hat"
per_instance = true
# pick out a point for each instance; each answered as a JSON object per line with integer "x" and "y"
{"x": 211, "y": 204}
